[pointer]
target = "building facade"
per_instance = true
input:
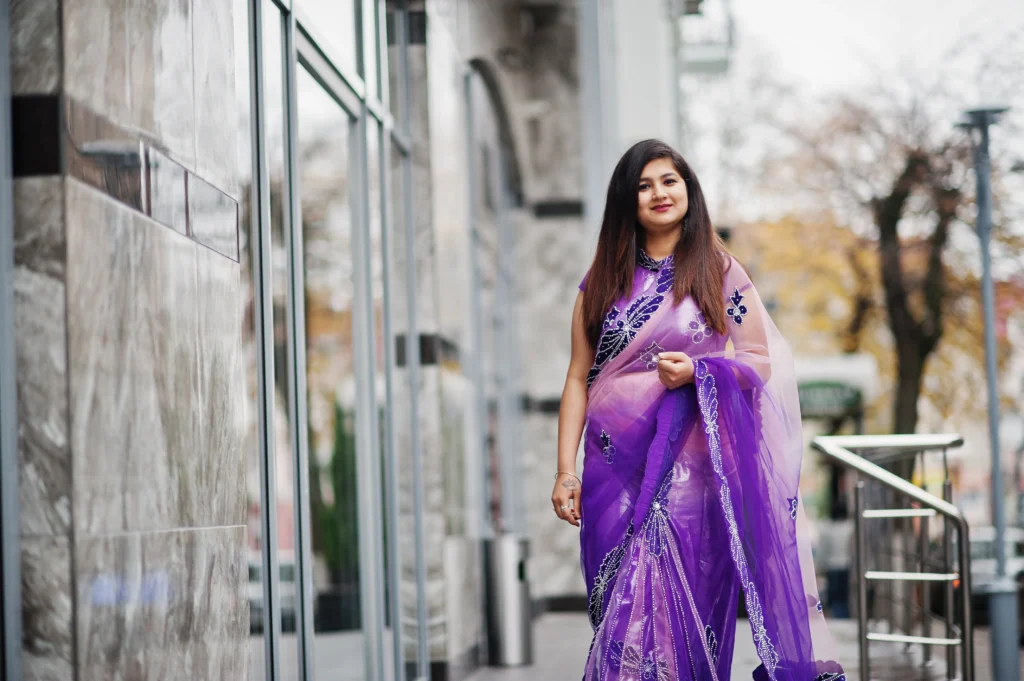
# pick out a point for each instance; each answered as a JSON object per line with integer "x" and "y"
{"x": 289, "y": 296}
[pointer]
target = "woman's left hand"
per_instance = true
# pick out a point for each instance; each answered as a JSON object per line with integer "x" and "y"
{"x": 675, "y": 369}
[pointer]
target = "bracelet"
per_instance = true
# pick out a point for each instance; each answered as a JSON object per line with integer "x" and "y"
{"x": 565, "y": 473}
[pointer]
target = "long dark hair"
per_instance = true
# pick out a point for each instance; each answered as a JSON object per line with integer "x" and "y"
{"x": 700, "y": 255}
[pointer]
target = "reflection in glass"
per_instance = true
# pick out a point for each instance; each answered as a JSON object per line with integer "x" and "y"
{"x": 323, "y": 150}
{"x": 284, "y": 457}
{"x": 334, "y": 27}
{"x": 402, "y": 395}
{"x": 396, "y": 67}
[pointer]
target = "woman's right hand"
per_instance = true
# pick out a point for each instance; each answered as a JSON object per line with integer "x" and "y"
{"x": 565, "y": 498}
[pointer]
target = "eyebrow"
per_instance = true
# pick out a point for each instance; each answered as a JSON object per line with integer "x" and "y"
{"x": 647, "y": 179}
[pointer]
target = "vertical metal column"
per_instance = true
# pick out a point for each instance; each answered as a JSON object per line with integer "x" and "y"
{"x": 1003, "y": 592}
{"x": 263, "y": 320}
{"x": 10, "y": 527}
{"x": 862, "y": 587}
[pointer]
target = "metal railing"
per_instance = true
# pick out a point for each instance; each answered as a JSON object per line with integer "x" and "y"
{"x": 904, "y": 508}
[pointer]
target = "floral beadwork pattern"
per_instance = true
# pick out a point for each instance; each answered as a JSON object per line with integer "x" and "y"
{"x": 701, "y": 330}
{"x": 656, "y": 527}
{"x": 605, "y": 579}
{"x": 737, "y": 311}
{"x": 645, "y": 668}
{"x": 712, "y": 641}
{"x": 621, "y": 328}
{"x": 793, "y": 503}
{"x": 707, "y": 397}
{"x": 607, "y": 448}
{"x": 818, "y": 606}
{"x": 650, "y": 356}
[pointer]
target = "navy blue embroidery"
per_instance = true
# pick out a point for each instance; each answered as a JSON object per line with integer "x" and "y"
{"x": 830, "y": 676}
{"x": 608, "y": 449}
{"x": 818, "y": 606}
{"x": 792, "y": 507}
{"x": 738, "y": 310}
{"x": 712, "y": 641}
{"x": 621, "y": 328}
{"x": 649, "y": 263}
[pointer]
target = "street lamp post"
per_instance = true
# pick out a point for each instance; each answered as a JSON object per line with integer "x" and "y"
{"x": 1003, "y": 592}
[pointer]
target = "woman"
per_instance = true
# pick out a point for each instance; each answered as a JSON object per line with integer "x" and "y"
{"x": 687, "y": 394}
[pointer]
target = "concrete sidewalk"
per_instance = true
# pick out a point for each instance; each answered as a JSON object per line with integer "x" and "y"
{"x": 562, "y": 641}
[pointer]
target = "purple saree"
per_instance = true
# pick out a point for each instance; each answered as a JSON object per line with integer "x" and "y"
{"x": 690, "y": 495}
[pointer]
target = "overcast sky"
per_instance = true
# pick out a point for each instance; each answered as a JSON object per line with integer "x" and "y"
{"x": 826, "y": 44}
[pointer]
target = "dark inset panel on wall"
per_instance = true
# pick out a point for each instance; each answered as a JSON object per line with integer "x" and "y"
{"x": 212, "y": 217}
{"x": 35, "y": 135}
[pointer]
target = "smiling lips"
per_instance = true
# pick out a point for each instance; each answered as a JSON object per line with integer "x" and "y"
{"x": 662, "y": 208}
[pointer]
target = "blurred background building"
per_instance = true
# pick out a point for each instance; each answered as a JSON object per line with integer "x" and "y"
{"x": 292, "y": 289}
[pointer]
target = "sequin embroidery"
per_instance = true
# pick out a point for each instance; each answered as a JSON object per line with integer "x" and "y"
{"x": 738, "y": 310}
{"x": 701, "y": 330}
{"x": 607, "y": 448}
{"x": 792, "y": 507}
{"x": 621, "y": 328}
{"x": 605, "y": 579}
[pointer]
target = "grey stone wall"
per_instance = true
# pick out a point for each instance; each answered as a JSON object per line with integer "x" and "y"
{"x": 128, "y": 333}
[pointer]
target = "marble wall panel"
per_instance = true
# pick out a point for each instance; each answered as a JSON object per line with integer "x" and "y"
{"x": 465, "y": 597}
{"x": 35, "y": 46}
{"x": 554, "y": 562}
{"x": 160, "y": 78}
{"x": 46, "y": 609}
{"x": 156, "y": 388}
{"x": 217, "y": 113}
{"x": 218, "y": 471}
{"x": 162, "y": 605}
{"x": 41, "y": 348}
{"x": 552, "y": 257}
{"x": 99, "y": 335}
{"x": 96, "y": 55}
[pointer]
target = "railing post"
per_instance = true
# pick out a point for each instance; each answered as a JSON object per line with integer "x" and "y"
{"x": 947, "y": 551}
{"x": 926, "y": 600}
{"x": 862, "y": 586}
{"x": 964, "y": 570}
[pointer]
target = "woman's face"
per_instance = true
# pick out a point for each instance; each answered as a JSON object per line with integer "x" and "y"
{"x": 662, "y": 201}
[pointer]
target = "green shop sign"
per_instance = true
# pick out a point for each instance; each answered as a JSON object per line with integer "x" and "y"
{"x": 828, "y": 399}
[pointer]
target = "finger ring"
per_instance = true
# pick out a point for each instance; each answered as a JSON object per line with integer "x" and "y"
{"x": 562, "y": 508}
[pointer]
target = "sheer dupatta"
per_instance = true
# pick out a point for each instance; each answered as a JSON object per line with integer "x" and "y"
{"x": 750, "y": 415}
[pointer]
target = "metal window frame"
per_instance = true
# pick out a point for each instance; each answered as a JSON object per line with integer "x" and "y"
{"x": 10, "y": 526}
{"x": 260, "y": 229}
{"x": 301, "y": 47}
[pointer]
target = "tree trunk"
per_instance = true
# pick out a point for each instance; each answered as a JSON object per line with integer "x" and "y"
{"x": 909, "y": 373}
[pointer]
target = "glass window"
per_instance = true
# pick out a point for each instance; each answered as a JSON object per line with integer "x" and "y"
{"x": 396, "y": 66}
{"x": 324, "y": 153}
{"x": 334, "y": 27}
{"x": 402, "y": 395}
